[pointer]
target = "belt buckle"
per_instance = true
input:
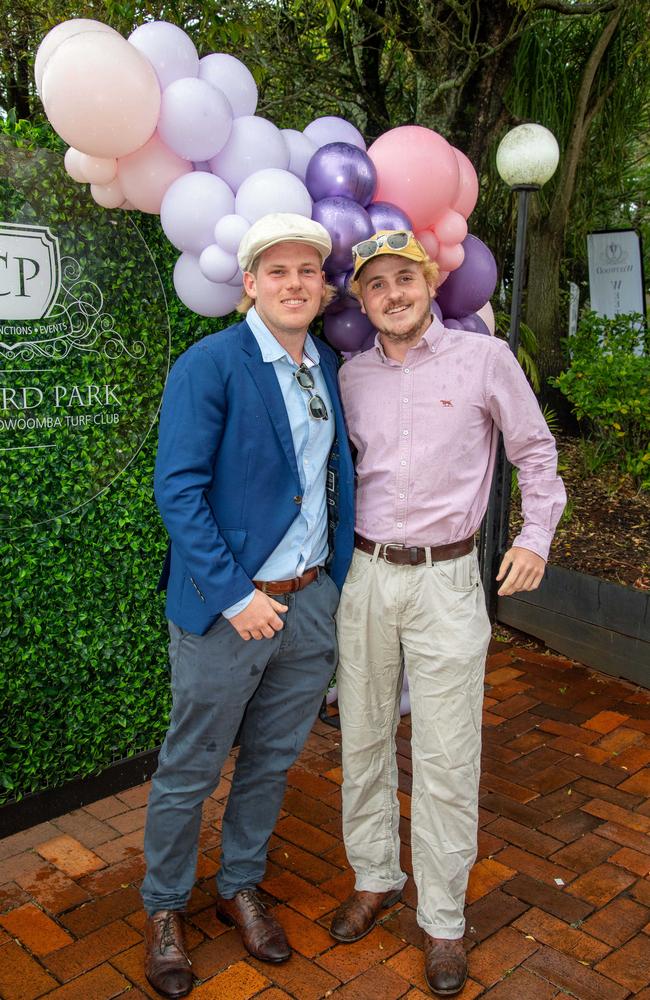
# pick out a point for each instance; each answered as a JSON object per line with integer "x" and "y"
{"x": 391, "y": 545}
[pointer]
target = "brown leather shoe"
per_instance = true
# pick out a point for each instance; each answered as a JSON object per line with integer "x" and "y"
{"x": 445, "y": 965}
{"x": 357, "y": 916}
{"x": 261, "y": 933}
{"x": 166, "y": 964}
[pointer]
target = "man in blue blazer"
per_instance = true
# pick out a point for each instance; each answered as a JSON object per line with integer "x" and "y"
{"x": 254, "y": 482}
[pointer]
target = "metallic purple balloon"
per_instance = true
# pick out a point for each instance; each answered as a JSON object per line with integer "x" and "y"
{"x": 474, "y": 324}
{"x": 471, "y": 285}
{"x": 347, "y": 330}
{"x": 341, "y": 170}
{"x": 347, "y": 223}
{"x": 384, "y": 215}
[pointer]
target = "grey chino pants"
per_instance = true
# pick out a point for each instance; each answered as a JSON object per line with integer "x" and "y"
{"x": 275, "y": 686}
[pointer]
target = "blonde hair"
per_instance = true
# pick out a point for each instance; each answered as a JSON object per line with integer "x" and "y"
{"x": 246, "y": 302}
{"x": 430, "y": 271}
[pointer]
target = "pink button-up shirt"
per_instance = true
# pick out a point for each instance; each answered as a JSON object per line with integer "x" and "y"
{"x": 426, "y": 432}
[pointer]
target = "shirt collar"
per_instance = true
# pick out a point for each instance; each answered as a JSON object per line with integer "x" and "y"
{"x": 271, "y": 350}
{"x": 429, "y": 341}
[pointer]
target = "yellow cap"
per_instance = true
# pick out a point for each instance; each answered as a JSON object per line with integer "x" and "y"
{"x": 399, "y": 242}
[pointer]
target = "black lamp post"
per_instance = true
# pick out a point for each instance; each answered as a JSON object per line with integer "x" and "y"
{"x": 526, "y": 158}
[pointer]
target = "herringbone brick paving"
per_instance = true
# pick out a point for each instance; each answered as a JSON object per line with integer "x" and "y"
{"x": 558, "y": 903}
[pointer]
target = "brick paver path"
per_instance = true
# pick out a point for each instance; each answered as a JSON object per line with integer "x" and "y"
{"x": 558, "y": 903}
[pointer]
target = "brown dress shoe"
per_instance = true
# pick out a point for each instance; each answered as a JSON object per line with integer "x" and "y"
{"x": 261, "y": 933}
{"x": 445, "y": 965}
{"x": 357, "y": 916}
{"x": 166, "y": 964}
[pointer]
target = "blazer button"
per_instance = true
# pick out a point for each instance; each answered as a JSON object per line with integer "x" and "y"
{"x": 297, "y": 499}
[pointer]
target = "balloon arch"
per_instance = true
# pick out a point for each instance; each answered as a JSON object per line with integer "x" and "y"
{"x": 153, "y": 127}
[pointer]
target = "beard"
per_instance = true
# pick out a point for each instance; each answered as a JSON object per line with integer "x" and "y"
{"x": 413, "y": 333}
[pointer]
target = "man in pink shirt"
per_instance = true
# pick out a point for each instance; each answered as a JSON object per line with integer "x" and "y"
{"x": 424, "y": 407}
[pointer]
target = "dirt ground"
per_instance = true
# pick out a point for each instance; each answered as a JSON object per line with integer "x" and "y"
{"x": 605, "y": 529}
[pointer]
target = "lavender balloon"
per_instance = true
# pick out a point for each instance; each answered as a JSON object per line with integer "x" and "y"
{"x": 347, "y": 223}
{"x": 453, "y": 324}
{"x": 471, "y": 285}
{"x": 340, "y": 169}
{"x": 384, "y": 215}
{"x": 347, "y": 330}
{"x": 474, "y": 324}
{"x": 435, "y": 309}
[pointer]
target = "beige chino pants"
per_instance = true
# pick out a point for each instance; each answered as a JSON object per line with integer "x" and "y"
{"x": 430, "y": 620}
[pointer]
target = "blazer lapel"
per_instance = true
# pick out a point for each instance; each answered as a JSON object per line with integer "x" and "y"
{"x": 263, "y": 374}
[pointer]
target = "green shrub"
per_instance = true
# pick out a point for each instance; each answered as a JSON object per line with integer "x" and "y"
{"x": 608, "y": 385}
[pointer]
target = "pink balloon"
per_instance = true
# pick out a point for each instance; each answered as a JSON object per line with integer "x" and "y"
{"x": 98, "y": 169}
{"x": 450, "y": 227}
{"x": 467, "y": 194}
{"x": 57, "y": 35}
{"x": 442, "y": 277}
{"x": 450, "y": 257}
{"x": 72, "y": 162}
{"x": 146, "y": 174}
{"x": 429, "y": 241}
{"x": 486, "y": 313}
{"x": 108, "y": 195}
{"x": 417, "y": 171}
{"x": 100, "y": 94}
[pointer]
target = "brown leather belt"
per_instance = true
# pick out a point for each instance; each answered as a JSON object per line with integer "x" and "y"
{"x": 288, "y": 586}
{"x": 405, "y": 555}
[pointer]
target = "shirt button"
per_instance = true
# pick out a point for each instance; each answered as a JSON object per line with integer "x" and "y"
{"x": 403, "y": 462}
{"x": 405, "y": 400}
{"x": 297, "y": 499}
{"x": 406, "y": 371}
{"x": 405, "y": 433}
{"x": 402, "y": 495}
{"x": 399, "y": 524}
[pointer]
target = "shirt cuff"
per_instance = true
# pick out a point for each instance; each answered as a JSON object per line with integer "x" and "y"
{"x": 536, "y": 540}
{"x": 234, "y": 609}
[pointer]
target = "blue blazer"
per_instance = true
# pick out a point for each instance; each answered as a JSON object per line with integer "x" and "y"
{"x": 226, "y": 479}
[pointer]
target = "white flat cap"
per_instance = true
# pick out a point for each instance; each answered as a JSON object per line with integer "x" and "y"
{"x": 282, "y": 227}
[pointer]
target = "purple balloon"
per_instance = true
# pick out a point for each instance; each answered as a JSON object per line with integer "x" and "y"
{"x": 347, "y": 223}
{"x": 347, "y": 330}
{"x": 470, "y": 285}
{"x": 435, "y": 309}
{"x": 474, "y": 324}
{"x": 341, "y": 170}
{"x": 387, "y": 216}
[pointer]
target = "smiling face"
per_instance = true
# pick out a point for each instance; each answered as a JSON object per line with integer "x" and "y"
{"x": 287, "y": 287}
{"x": 396, "y": 298}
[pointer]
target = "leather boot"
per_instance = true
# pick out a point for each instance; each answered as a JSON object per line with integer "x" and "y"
{"x": 262, "y": 935}
{"x": 166, "y": 964}
{"x": 445, "y": 965}
{"x": 357, "y": 916}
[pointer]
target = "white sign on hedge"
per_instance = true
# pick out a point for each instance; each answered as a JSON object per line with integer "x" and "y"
{"x": 615, "y": 272}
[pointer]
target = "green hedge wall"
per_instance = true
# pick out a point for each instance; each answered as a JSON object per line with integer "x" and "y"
{"x": 83, "y": 646}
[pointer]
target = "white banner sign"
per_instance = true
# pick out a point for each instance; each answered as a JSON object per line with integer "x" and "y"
{"x": 615, "y": 272}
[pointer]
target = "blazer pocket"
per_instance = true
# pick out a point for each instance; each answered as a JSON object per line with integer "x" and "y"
{"x": 234, "y": 538}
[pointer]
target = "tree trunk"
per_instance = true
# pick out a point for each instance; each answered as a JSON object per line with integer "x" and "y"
{"x": 543, "y": 298}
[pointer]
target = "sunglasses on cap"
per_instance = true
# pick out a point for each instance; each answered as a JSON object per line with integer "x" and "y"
{"x": 396, "y": 241}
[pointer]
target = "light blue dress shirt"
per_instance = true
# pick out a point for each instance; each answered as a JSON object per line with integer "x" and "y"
{"x": 305, "y": 543}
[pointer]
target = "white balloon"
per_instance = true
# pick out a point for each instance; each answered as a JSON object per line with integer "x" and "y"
{"x": 195, "y": 119}
{"x": 217, "y": 265}
{"x": 58, "y": 34}
{"x": 486, "y": 313}
{"x": 98, "y": 169}
{"x": 72, "y": 162}
{"x": 229, "y": 232}
{"x": 301, "y": 150}
{"x": 108, "y": 195}
{"x": 190, "y": 209}
{"x": 236, "y": 80}
{"x": 254, "y": 144}
{"x": 200, "y": 295}
{"x": 272, "y": 190}
{"x": 170, "y": 51}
